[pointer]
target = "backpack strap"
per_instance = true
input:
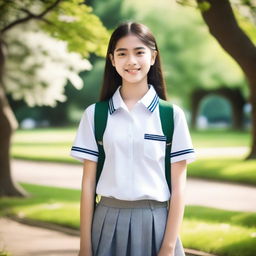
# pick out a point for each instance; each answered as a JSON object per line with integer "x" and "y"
{"x": 166, "y": 116}
{"x": 100, "y": 122}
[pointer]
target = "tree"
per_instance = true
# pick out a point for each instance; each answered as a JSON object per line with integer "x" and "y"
{"x": 70, "y": 21}
{"x": 223, "y": 25}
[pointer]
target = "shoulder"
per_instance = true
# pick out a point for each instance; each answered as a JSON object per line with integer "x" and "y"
{"x": 88, "y": 112}
{"x": 178, "y": 112}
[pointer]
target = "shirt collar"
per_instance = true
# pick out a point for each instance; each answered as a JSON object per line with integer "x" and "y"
{"x": 150, "y": 100}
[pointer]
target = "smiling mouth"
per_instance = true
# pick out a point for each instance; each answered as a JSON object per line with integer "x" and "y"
{"x": 132, "y": 71}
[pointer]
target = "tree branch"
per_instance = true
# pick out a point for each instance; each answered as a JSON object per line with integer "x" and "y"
{"x": 37, "y": 17}
{"x": 31, "y": 16}
{"x": 223, "y": 26}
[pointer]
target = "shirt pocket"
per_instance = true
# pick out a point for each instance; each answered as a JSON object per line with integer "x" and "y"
{"x": 154, "y": 146}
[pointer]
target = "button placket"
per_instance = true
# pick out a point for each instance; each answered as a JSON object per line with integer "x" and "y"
{"x": 130, "y": 136}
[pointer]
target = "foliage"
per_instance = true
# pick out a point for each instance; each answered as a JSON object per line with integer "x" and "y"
{"x": 75, "y": 23}
{"x": 47, "y": 42}
{"x": 191, "y": 59}
{"x": 244, "y": 10}
{"x": 68, "y": 20}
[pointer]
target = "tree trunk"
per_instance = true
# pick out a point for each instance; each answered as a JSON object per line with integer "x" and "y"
{"x": 8, "y": 124}
{"x": 252, "y": 154}
{"x": 223, "y": 26}
{"x": 238, "y": 102}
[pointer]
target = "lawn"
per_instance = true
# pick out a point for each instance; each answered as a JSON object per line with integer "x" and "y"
{"x": 226, "y": 169}
{"x": 53, "y": 144}
{"x": 212, "y": 230}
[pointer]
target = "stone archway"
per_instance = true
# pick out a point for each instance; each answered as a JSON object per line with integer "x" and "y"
{"x": 234, "y": 96}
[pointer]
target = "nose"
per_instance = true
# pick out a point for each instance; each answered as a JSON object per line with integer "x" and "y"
{"x": 131, "y": 61}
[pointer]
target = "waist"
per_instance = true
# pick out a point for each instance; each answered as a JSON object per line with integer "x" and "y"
{"x": 145, "y": 203}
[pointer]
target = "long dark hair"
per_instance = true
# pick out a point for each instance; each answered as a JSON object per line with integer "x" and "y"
{"x": 112, "y": 79}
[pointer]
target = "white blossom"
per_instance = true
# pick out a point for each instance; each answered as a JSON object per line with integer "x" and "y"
{"x": 38, "y": 66}
{"x": 67, "y": 18}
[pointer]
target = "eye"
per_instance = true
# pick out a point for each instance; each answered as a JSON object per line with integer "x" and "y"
{"x": 140, "y": 52}
{"x": 121, "y": 54}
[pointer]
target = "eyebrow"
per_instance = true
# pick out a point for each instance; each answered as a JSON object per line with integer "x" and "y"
{"x": 125, "y": 49}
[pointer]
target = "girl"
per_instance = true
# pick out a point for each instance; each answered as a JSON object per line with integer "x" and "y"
{"x": 137, "y": 214}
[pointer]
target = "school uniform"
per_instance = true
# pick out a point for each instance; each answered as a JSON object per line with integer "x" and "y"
{"x": 130, "y": 219}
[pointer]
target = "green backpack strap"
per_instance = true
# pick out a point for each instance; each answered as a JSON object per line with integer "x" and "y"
{"x": 166, "y": 116}
{"x": 100, "y": 122}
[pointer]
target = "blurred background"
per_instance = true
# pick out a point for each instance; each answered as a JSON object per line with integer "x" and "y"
{"x": 52, "y": 56}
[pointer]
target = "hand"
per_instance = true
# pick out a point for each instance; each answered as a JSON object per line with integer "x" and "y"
{"x": 164, "y": 251}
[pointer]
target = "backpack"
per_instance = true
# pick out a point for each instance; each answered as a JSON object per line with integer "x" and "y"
{"x": 100, "y": 121}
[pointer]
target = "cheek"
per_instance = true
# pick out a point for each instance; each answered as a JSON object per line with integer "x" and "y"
{"x": 120, "y": 64}
{"x": 119, "y": 67}
{"x": 147, "y": 59}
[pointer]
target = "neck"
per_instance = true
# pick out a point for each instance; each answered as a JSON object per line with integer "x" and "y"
{"x": 133, "y": 92}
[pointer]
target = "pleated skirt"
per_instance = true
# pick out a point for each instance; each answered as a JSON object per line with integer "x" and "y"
{"x": 130, "y": 228}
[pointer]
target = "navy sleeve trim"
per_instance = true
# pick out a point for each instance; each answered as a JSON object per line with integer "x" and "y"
{"x": 85, "y": 150}
{"x": 182, "y": 152}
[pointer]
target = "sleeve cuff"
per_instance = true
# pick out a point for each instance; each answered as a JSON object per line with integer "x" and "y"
{"x": 188, "y": 155}
{"x": 82, "y": 153}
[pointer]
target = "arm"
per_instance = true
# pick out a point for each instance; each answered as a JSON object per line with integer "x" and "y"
{"x": 87, "y": 207}
{"x": 176, "y": 208}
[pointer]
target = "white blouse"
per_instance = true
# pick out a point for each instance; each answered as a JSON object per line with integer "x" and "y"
{"x": 134, "y": 145}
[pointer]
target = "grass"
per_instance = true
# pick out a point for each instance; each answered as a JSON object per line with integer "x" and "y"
{"x": 220, "y": 138}
{"x": 53, "y": 145}
{"x": 4, "y": 253}
{"x": 202, "y": 138}
{"x": 208, "y": 229}
{"x": 225, "y": 169}
{"x": 50, "y": 204}
{"x": 48, "y": 144}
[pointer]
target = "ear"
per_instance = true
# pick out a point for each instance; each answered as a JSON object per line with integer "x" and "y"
{"x": 153, "y": 57}
{"x": 112, "y": 59}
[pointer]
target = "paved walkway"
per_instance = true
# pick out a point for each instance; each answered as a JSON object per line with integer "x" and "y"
{"x": 222, "y": 152}
{"x": 199, "y": 192}
{"x": 24, "y": 240}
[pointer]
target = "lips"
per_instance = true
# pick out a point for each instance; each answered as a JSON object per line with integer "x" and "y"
{"x": 132, "y": 71}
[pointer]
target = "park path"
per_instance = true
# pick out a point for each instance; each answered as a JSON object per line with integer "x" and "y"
{"x": 221, "y": 195}
{"x": 24, "y": 240}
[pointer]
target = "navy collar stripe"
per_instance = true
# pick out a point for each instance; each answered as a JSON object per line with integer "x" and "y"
{"x": 111, "y": 106}
{"x": 154, "y": 103}
{"x": 151, "y": 106}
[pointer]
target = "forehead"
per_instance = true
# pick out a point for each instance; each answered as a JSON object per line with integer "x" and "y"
{"x": 130, "y": 42}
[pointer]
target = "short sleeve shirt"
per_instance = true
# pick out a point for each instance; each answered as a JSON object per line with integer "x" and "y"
{"x": 134, "y": 145}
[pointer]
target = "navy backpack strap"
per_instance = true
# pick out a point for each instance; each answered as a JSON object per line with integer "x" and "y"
{"x": 166, "y": 117}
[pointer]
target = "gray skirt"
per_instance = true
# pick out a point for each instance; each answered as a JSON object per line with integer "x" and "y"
{"x": 130, "y": 228}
